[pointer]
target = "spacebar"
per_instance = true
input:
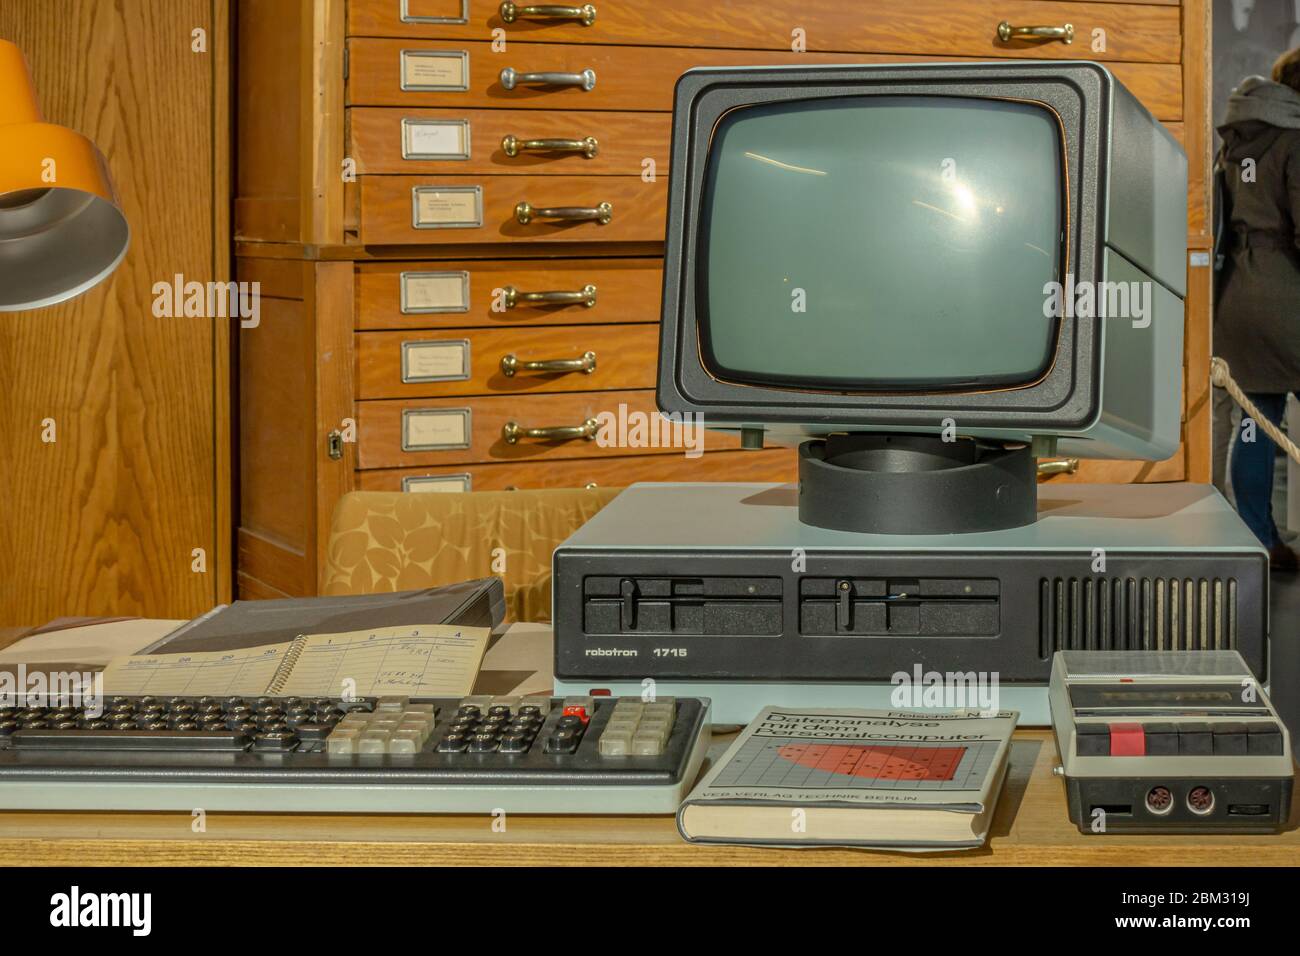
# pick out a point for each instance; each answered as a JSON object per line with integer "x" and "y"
{"x": 157, "y": 740}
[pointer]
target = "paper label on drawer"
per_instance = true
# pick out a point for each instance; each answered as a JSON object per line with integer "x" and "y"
{"x": 440, "y": 361}
{"x": 435, "y": 139}
{"x": 434, "y": 11}
{"x": 437, "y": 483}
{"x": 447, "y": 207}
{"x": 434, "y": 70}
{"x": 435, "y": 292}
{"x": 435, "y": 429}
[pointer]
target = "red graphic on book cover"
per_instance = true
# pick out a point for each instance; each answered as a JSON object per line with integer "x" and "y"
{"x": 877, "y": 761}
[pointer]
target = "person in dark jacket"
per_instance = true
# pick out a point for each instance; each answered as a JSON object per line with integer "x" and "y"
{"x": 1257, "y": 316}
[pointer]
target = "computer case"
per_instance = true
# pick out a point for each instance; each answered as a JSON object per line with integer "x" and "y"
{"x": 719, "y": 590}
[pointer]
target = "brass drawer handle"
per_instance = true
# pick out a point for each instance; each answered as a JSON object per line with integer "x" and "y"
{"x": 602, "y": 214}
{"x": 511, "y": 78}
{"x": 512, "y": 297}
{"x": 1007, "y": 32}
{"x": 1057, "y": 466}
{"x": 589, "y": 486}
{"x": 513, "y": 431}
{"x": 511, "y": 12}
{"x": 586, "y": 362}
{"x": 513, "y": 146}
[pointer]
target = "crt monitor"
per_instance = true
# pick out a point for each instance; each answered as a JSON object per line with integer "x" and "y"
{"x": 941, "y": 267}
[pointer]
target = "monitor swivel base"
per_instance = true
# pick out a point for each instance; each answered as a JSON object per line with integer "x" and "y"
{"x": 915, "y": 484}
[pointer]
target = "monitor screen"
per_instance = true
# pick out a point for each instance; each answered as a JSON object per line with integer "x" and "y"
{"x": 882, "y": 243}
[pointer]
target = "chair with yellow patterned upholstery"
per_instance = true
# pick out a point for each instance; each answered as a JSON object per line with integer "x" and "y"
{"x": 398, "y": 541}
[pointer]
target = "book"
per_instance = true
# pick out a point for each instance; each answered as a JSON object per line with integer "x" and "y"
{"x": 401, "y": 661}
{"x": 887, "y": 779}
{"x": 243, "y": 624}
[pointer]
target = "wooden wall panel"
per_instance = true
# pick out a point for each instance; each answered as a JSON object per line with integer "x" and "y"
{"x": 103, "y": 521}
{"x": 1199, "y": 142}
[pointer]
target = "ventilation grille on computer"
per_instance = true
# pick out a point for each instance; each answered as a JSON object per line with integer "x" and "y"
{"x": 1150, "y": 614}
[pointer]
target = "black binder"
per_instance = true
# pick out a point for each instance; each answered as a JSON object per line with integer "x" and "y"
{"x": 478, "y": 603}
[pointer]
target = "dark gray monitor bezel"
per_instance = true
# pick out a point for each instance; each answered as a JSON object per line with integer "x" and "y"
{"x": 1067, "y": 396}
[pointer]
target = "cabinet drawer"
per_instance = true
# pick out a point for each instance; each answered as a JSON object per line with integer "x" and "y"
{"x": 1134, "y": 32}
{"x": 477, "y": 293}
{"x": 775, "y": 464}
{"x": 544, "y": 141}
{"x": 478, "y": 435}
{"x": 472, "y": 209}
{"x": 632, "y": 78}
{"x": 495, "y": 361}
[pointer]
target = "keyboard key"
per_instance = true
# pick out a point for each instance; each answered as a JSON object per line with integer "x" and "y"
{"x": 483, "y": 743}
{"x": 405, "y": 742}
{"x": 516, "y": 743}
{"x": 374, "y": 742}
{"x": 617, "y": 743}
{"x": 453, "y": 744}
{"x": 418, "y": 732}
{"x": 342, "y": 742}
{"x": 534, "y": 707}
{"x": 278, "y": 742}
{"x": 659, "y": 724}
{"x": 398, "y": 704}
{"x": 573, "y": 710}
{"x": 647, "y": 744}
{"x": 563, "y": 742}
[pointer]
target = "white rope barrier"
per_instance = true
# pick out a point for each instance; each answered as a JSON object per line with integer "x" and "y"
{"x": 1221, "y": 376}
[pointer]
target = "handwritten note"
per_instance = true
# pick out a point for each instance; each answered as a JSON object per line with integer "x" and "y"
{"x": 400, "y": 661}
{"x": 247, "y": 671}
{"x": 438, "y": 661}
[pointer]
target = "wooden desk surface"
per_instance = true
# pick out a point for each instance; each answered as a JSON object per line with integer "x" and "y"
{"x": 1030, "y": 828}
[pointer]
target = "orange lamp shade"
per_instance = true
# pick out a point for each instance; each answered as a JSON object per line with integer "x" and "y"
{"x": 61, "y": 229}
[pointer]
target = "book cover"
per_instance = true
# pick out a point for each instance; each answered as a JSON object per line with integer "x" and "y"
{"x": 910, "y": 780}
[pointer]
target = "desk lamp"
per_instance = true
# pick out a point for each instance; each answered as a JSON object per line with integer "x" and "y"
{"x": 61, "y": 229}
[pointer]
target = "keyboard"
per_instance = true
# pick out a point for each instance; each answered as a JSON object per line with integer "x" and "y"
{"x": 532, "y": 754}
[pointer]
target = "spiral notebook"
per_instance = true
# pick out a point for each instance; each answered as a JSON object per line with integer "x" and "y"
{"x": 432, "y": 661}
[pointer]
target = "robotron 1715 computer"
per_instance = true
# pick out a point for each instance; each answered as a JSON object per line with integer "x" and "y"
{"x": 931, "y": 275}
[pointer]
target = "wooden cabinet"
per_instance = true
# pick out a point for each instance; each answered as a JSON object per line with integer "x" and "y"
{"x": 431, "y": 327}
